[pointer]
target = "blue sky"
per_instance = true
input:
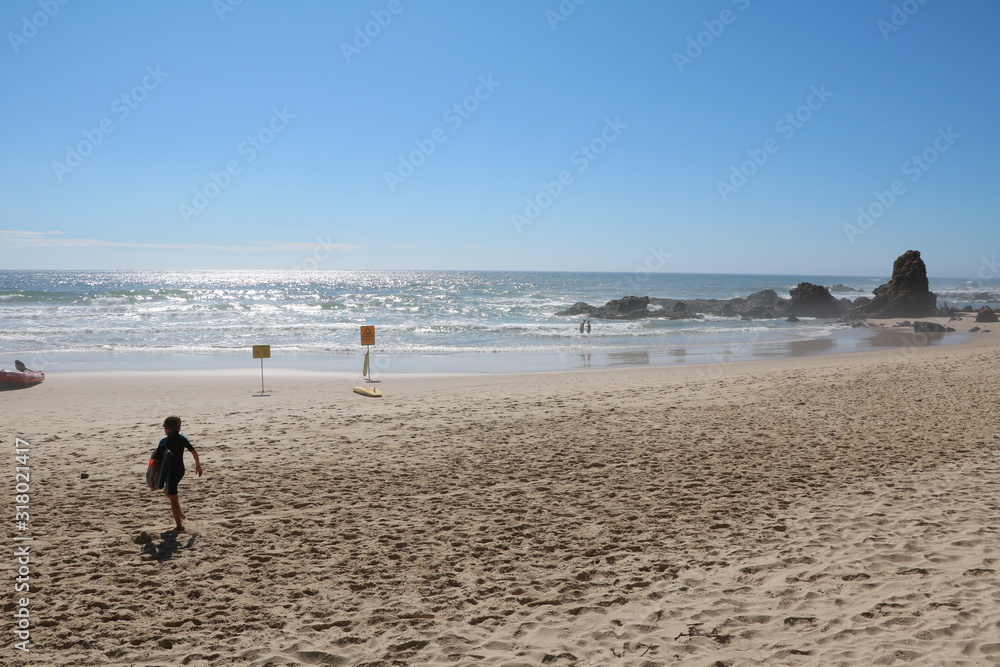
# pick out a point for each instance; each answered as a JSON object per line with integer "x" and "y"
{"x": 732, "y": 136}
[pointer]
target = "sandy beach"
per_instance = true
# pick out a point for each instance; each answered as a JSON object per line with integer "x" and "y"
{"x": 827, "y": 510}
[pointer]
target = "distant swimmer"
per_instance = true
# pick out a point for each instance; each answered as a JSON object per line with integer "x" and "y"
{"x": 588, "y": 326}
{"x": 582, "y": 325}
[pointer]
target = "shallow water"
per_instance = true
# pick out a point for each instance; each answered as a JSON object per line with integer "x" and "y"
{"x": 425, "y": 320}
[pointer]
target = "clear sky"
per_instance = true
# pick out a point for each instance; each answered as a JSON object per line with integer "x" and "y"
{"x": 735, "y": 136}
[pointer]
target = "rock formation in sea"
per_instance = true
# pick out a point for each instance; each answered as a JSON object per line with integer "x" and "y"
{"x": 578, "y": 308}
{"x": 765, "y": 304}
{"x": 905, "y": 295}
{"x": 626, "y": 308}
{"x": 810, "y": 300}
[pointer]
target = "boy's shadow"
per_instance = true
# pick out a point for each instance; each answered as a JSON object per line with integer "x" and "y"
{"x": 168, "y": 546}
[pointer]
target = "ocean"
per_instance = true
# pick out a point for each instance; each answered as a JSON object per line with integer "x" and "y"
{"x": 426, "y": 321}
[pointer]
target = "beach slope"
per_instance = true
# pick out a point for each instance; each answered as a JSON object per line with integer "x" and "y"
{"x": 833, "y": 510}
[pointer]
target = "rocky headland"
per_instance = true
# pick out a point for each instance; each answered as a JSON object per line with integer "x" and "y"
{"x": 905, "y": 295}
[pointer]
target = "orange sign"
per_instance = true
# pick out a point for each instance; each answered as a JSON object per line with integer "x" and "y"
{"x": 367, "y": 335}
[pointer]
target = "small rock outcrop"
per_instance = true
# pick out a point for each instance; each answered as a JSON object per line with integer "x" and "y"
{"x": 680, "y": 311}
{"x": 928, "y": 327}
{"x": 810, "y": 300}
{"x": 579, "y": 308}
{"x": 626, "y": 308}
{"x": 765, "y": 305}
{"x": 986, "y": 314}
{"x": 860, "y": 305}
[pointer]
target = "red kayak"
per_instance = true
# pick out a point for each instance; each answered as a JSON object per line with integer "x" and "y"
{"x": 23, "y": 377}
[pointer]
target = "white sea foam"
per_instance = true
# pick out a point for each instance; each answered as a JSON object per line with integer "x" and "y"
{"x": 225, "y": 312}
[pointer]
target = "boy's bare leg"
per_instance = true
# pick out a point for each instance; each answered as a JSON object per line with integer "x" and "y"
{"x": 175, "y": 508}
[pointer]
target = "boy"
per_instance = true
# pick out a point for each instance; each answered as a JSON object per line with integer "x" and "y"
{"x": 174, "y": 444}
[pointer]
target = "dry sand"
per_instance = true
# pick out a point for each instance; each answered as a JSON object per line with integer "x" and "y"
{"x": 833, "y": 510}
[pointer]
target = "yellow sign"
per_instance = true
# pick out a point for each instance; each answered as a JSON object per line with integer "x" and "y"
{"x": 261, "y": 351}
{"x": 367, "y": 335}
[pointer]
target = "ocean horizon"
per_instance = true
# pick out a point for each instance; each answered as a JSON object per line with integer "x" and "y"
{"x": 426, "y": 321}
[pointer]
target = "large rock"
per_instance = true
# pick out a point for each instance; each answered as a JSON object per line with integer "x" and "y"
{"x": 986, "y": 314}
{"x": 906, "y": 294}
{"x": 810, "y": 300}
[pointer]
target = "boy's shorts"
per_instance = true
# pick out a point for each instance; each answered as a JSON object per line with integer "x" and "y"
{"x": 172, "y": 480}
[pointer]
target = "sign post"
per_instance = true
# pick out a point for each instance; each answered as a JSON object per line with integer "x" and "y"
{"x": 261, "y": 352}
{"x": 367, "y": 340}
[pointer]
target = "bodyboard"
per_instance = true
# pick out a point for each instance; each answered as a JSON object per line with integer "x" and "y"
{"x": 365, "y": 391}
{"x": 159, "y": 477}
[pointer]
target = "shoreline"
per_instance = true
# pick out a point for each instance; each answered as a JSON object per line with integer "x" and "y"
{"x": 278, "y": 380}
{"x": 880, "y": 334}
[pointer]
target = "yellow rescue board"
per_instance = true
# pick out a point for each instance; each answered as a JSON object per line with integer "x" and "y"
{"x": 365, "y": 391}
